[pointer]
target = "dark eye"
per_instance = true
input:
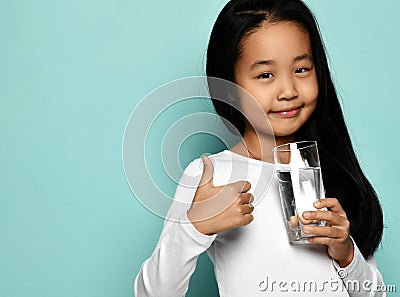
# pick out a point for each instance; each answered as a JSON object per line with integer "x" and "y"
{"x": 265, "y": 75}
{"x": 302, "y": 70}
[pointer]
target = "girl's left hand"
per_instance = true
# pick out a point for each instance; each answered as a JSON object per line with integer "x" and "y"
{"x": 336, "y": 234}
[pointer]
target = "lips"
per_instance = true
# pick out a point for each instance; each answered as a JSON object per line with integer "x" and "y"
{"x": 288, "y": 112}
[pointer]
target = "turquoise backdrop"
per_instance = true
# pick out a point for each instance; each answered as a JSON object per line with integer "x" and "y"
{"x": 71, "y": 72}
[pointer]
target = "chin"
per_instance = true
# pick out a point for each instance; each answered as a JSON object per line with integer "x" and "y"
{"x": 285, "y": 133}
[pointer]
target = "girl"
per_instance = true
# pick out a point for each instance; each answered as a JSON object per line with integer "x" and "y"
{"x": 273, "y": 50}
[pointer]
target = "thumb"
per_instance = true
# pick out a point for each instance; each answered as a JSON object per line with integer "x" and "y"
{"x": 208, "y": 172}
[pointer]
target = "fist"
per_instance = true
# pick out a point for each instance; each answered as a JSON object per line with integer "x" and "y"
{"x": 216, "y": 209}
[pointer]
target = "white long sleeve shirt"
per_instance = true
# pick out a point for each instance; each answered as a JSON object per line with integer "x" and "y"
{"x": 253, "y": 260}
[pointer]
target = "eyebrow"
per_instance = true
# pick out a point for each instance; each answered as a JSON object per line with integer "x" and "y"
{"x": 259, "y": 63}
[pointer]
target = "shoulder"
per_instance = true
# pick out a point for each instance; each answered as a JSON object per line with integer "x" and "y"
{"x": 196, "y": 166}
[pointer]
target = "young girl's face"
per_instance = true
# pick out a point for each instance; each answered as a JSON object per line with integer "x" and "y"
{"x": 277, "y": 69}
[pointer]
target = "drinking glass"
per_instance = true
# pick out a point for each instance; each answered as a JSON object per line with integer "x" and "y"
{"x": 300, "y": 185}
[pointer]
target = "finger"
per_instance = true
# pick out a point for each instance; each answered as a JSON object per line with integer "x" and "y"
{"x": 241, "y": 186}
{"x": 325, "y": 231}
{"x": 208, "y": 171}
{"x": 247, "y": 218}
{"x": 331, "y": 203}
{"x": 329, "y": 216}
{"x": 293, "y": 222}
{"x": 247, "y": 208}
{"x": 323, "y": 240}
{"x": 246, "y": 198}
{"x": 305, "y": 222}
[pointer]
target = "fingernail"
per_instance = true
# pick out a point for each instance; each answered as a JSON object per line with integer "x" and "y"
{"x": 306, "y": 214}
{"x": 317, "y": 203}
{"x": 306, "y": 228}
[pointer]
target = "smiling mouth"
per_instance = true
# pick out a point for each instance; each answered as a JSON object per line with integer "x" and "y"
{"x": 288, "y": 113}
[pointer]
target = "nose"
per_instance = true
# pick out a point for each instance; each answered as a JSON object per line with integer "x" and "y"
{"x": 287, "y": 89}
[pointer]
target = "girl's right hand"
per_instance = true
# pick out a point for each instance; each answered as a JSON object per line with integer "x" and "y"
{"x": 217, "y": 209}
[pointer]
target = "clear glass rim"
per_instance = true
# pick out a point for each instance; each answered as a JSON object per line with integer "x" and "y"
{"x": 278, "y": 148}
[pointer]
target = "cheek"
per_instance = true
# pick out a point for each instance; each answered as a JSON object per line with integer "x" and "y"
{"x": 310, "y": 92}
{"x": 259, "y": 102}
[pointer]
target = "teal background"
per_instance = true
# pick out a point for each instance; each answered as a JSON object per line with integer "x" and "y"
{"x": 71, "y": 72}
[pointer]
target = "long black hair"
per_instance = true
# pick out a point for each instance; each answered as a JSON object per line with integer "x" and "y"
{"x": 342, "y": 174}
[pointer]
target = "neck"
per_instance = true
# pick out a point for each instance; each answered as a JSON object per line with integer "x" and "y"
{"x": 279, "y": 140}
{"x": 259, "y": 145}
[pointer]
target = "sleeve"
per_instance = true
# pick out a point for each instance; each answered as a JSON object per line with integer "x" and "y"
{"x": 361, "y": 277}
{"x": 168, "y": 270}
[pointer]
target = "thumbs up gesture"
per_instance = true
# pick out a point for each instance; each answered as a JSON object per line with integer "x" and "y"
{"x": 216, "y": 209}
